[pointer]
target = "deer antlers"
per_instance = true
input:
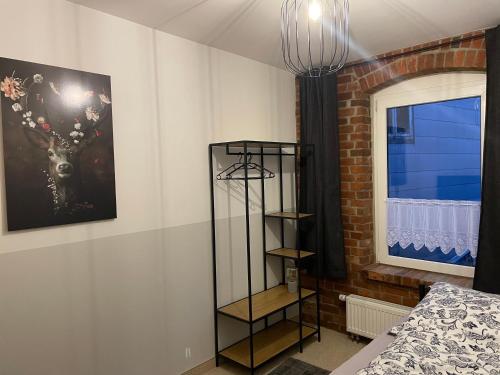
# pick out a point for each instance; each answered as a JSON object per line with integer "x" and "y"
{"x": 94, "y": 127}
{"x": 93, "y": 110}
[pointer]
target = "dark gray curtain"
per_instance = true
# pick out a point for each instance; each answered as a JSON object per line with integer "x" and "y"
{"x": 320, "y": 176}
{"x": 487, "y": 276}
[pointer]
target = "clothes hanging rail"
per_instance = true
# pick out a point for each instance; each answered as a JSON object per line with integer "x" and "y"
{"x": 231, "y": 172}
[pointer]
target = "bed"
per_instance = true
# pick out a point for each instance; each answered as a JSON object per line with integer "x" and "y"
{"x": 453, "y": 330}
{"x": 363, "y": 358}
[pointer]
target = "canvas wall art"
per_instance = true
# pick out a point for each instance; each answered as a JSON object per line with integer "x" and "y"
{"x": 57, "y": 145}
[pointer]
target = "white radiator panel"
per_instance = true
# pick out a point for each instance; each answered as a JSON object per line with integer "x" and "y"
{"x": 369, "y": 317}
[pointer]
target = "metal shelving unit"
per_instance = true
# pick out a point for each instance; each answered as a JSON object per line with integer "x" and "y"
{"x": 260, "y": 347}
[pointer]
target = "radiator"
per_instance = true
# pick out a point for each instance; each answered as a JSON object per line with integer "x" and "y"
{"x": 369, "y": 317}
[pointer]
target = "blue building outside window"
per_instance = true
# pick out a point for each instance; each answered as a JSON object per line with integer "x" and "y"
{"x": 434, "y": 153}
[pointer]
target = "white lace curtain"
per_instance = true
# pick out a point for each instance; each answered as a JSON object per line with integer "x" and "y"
{"x": 433, "y": 223}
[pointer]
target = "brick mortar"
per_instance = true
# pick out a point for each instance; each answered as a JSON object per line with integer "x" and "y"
{"x": 355, "y": 84}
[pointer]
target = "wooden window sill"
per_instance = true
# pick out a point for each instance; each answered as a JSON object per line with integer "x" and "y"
{"x": 409, "y": 277}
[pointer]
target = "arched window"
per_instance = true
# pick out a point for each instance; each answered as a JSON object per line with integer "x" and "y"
{"x": 427, "y": 153}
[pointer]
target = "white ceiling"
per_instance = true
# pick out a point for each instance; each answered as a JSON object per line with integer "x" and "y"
{"x": 251, "y": 28}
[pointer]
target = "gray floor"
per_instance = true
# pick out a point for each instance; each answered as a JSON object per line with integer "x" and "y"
{"x": 334, "y": 349}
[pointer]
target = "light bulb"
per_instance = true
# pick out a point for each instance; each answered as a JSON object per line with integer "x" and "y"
{"x": 314, "y": 11}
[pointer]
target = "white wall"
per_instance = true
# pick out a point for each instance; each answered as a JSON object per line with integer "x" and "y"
{"x": 219, "y": 96}
{"x": 171, "y": 97}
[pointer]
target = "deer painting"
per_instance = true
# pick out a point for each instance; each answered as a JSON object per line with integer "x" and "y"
{"x": 61, "y": 120}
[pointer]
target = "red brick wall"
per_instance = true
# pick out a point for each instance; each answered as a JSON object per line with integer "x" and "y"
{"x": 355, "y": 85}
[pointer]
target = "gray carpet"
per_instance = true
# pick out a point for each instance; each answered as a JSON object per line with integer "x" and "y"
{"x": 293, "y": 366}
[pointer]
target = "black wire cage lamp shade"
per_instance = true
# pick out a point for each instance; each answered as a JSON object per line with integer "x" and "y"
{"x": 314, "y": 36}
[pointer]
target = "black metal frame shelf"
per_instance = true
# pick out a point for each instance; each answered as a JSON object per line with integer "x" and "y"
{"x": 259, "y": 347}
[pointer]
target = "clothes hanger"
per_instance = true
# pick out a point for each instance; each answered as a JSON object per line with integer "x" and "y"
{"x": 229, "y": 172}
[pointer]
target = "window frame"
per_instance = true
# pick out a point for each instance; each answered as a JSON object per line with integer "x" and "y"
{"x": 432, "y": 88}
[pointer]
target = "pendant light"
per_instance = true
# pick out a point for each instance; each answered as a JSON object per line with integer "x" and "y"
{"x": 314, "y": 36}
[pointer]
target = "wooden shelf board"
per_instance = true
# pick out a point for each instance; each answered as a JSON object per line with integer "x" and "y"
{"x": 264, "y": 303}
{"x": 290, "y": 253}
{"x": 268, "y": 343}
{"x": 289, "y": 215}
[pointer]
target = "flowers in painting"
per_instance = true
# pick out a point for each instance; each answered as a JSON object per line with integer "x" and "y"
{"x": 17, "y": 107}
{"x": 92, "y": 105}
{"x": 38, "y": 78}
{"x": 76, "y": 135}
{"x": 104, "y": 99}
{"x": 40, "y": 120}
{"x": 27, "y": 118}
{"x": 92, "y": 114}
{"x": 12, "y": 88}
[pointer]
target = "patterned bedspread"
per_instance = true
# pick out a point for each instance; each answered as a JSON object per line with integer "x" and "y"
{"x": 452, "y": 331}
